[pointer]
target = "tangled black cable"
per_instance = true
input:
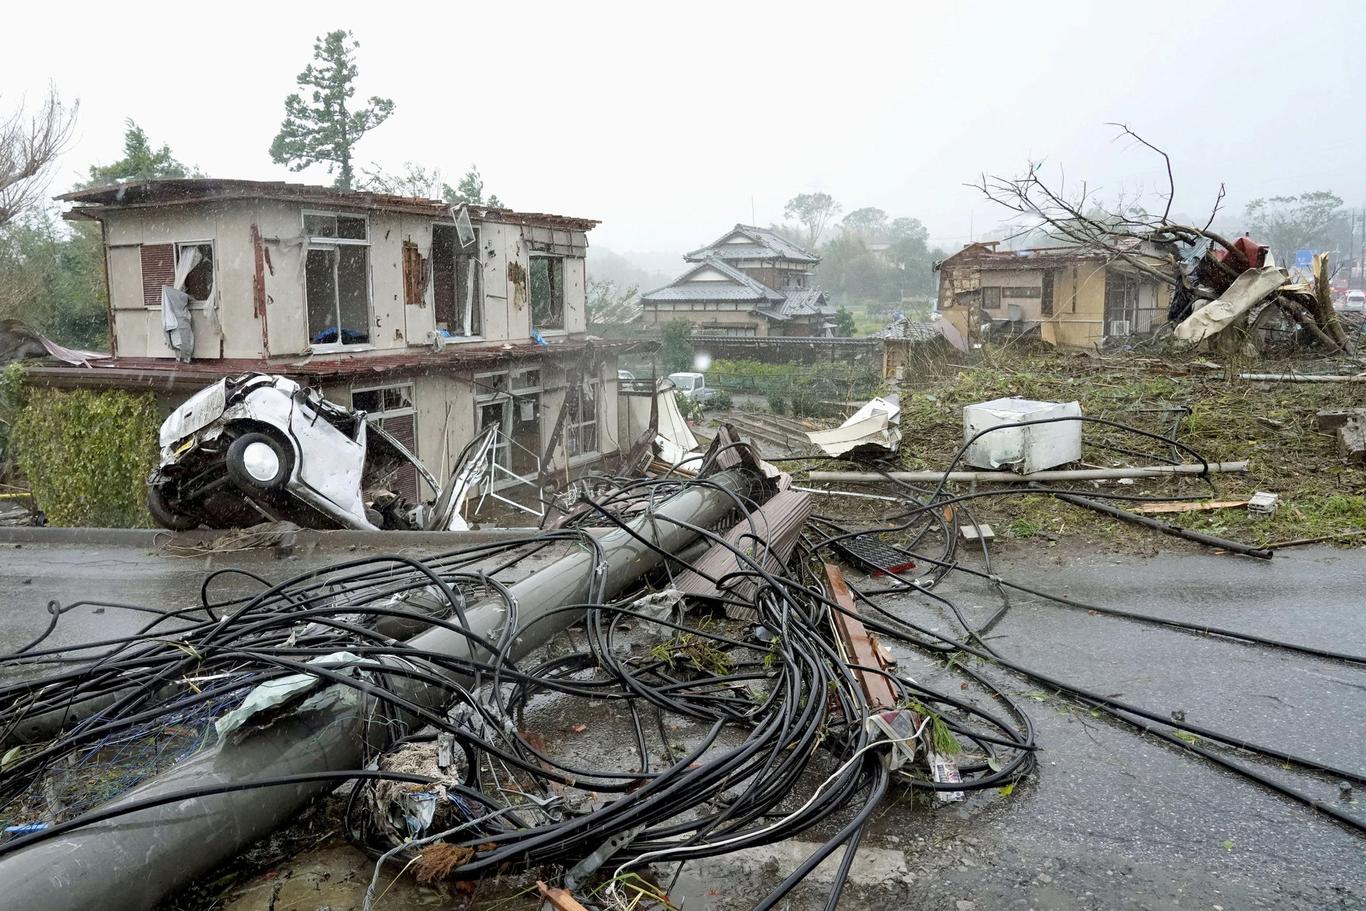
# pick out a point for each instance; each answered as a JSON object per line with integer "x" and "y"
{"x": 781, "y": 741}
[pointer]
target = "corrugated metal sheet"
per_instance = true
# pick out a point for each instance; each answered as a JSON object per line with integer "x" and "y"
{"x": 768, "y": 535}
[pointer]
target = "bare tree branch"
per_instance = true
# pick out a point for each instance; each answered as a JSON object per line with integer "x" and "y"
{"x": 29, "y": 146}
{"x": 1171, "y": 181}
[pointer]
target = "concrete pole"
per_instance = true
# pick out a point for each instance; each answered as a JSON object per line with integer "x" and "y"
{"x": 136, "y": 860}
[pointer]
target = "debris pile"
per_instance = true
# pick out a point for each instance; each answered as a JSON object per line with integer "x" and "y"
{"x": 744, "y": 690}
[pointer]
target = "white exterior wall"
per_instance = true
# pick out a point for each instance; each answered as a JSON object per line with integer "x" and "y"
{"x": 137, "y": 328}
{"x": 394, "y": 324}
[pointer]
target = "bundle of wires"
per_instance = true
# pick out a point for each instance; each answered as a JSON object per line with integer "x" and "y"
{"x": 924, "y": 520}
{"x": 748, "y": 724}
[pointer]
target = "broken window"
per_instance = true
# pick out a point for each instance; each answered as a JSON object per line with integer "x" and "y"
{"x": 391, "y": 408}
{"x": 199, "y": 281}
{"x": 414, "y": 275}
{"x": 514, "y": 402}
{"x": 337, "y": 279}
{"x": 581, "y": 425}
{"x": 547, "y": 292}
{"x": 457, "y": 283}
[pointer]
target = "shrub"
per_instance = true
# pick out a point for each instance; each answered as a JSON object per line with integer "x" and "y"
{"x": 776, "y": 403}
{"x": 87, "y": 454}
{"x": 689, "y": 407}
{"x": 721, "y": 401}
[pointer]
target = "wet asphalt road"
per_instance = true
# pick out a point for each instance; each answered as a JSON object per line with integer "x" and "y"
{"x": 1110, "y": 819}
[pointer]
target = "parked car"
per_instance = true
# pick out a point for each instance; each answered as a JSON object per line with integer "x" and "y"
{"x": 260, "y": 447}
{"x": 1355, "y": 301}
{"x": 693, "y": 385}
{"x": 625, "y": 376}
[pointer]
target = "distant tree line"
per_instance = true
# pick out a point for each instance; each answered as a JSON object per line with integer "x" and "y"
{"x": 869, "y": 261}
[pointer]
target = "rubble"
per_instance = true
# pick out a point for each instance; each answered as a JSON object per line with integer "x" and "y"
{"x": 874, "y": 428}
{"x": 707, "y": 604}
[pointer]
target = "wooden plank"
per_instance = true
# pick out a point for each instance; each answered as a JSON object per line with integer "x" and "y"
{"x": 861, "y": 648}
{"x": 1187, "y": 506}
{"x": 560, "y": 899}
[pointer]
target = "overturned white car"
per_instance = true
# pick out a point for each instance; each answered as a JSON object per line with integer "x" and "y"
{"x": 260, "y": 447}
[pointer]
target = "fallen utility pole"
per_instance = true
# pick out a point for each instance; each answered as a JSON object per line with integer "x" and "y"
{"x": 157, "y": 838}
{"x": 1010, "y": 477}
{"x": 1177, "y": 531}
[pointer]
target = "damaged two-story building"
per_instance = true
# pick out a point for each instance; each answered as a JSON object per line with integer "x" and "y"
{"x": 1068, "y": 296}
{"x": 437, "y": 321}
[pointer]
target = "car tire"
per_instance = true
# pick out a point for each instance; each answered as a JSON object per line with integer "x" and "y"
{"x": 258, "y": 462}
{"x": 165, "y": 515}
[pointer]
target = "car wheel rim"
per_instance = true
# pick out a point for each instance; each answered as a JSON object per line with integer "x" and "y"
{"x": 261, "y": 462}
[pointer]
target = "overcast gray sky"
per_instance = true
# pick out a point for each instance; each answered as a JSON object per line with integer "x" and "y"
{"x": 669, "y": 122}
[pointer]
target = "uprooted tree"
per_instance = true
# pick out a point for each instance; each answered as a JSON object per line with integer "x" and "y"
{"x": 1204, "y": 263}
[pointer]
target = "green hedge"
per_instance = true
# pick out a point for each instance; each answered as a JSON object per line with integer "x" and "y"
{"x": 87, "y": 453}
{"x": 758, "y": 378}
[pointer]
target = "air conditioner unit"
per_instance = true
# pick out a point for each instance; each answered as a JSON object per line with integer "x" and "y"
{"x": 1118, "y": 328}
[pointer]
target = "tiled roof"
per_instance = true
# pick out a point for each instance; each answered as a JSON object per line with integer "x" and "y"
{"x": 805, "y": 302}
{"x": 909, "y": 331}
{"x": 766, "y": 245}
{"x": 737, "y": 287}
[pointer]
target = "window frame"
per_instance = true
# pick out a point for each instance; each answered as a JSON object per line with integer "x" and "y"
{"x": 574, "y": 423}
{"x": 506, "y": 397}
{"x": 213, "y": 268}
{"x": 321, "y": 242}
{"x": 384, "y": 412}
{"x": 563, "y": 328}
{"x": 175, "y": 246}
{"x": 476, "y": 267}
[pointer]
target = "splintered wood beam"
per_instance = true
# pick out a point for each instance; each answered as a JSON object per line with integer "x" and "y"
{"x": 560, "y": 899}
{"x": 860, "y": 646}
{"x": 1187, "y": 506}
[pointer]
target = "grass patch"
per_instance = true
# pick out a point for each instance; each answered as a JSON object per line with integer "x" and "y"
{"x": 1224, "y": 419}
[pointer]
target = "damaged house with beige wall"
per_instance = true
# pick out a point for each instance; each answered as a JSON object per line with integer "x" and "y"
{"x": 436, "y": 321}
{"x": 1069, "y": 296}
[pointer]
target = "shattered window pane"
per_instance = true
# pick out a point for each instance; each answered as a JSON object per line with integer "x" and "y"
{"x": 199, "y": 283}
{"x": 547, "y": 292}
